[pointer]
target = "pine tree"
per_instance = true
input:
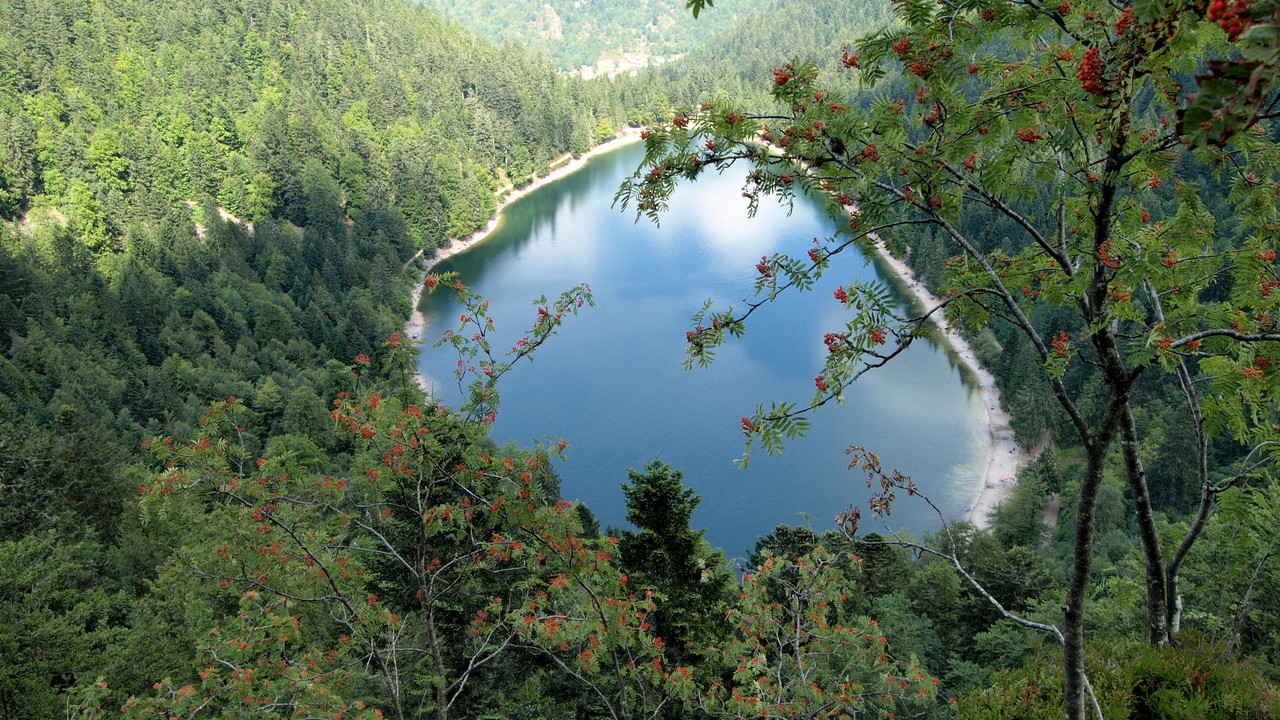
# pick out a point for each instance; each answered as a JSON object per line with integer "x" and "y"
{"x": 669, "y": 557}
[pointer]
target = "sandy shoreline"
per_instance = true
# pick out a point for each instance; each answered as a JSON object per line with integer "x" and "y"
{"x": 1005, "y": 457}
{"x": 415, "y": 326}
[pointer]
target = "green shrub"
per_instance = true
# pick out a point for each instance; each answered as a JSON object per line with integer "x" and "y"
{"x": 1134, "y": 682}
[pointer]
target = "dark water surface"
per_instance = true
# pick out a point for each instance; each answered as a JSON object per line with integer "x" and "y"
{"x": 612, "y": 385}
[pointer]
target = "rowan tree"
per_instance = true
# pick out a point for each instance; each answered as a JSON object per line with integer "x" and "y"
{"x": 398, "y": 587}
{"x": 799, "y": 650}
{"x": 1074, "y": 167}
{"x": 398, "y": 590}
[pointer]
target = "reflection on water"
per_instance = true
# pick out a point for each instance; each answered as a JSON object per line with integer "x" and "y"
{"x": 612, "y": 383}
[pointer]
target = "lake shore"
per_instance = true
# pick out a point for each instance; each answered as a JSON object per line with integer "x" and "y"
{"x": 415, "y": 326}
{"x": 1006, "y": 457}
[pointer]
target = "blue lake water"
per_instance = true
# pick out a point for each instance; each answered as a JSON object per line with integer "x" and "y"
{"x": 612, "y": 384}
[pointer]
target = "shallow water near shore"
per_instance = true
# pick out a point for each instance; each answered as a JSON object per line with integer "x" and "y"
{"x": 612, "y": 385}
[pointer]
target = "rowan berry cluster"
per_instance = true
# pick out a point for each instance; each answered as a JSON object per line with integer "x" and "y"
{"x": 921, "y": 68}
{"x": 1061, "y": 343}
{"x": 835, "y": 342}
{"x": 1104, "y": 254}
{"x": 1125, "y": 22}
{"x": 1090, "y": 72}
{"x": 1234, "y": 18}
{"x": 925, "y": 62}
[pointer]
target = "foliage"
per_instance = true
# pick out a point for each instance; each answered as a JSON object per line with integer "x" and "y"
{"x": 1063, "y": 142}
{"x": 479, "y": 368}
{"x": 1020, "y": 519}
{"x": 1134, "y": 681}
{"x": 798, "y": 652}
{"x": 1235, "y": 577}
{"x": 113, "y": 115}
{"x": 396, "y": 570}
{"x": 667, "y": 556}
{"x": 56, "y": 624}
{"x": 574, "y": 33}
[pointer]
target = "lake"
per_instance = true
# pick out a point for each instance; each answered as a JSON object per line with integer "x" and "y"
{"x": 612, "y": 384}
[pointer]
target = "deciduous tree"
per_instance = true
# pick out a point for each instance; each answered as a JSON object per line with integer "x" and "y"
{"x": 1140, "y": 207}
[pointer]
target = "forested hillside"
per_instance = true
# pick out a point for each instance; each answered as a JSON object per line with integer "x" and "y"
{"x": 575, "y": 33}
{"x": 735, "y": 66}
{"x": 348, "y": 138}
{"x": 222, "y": 492}
{"x": 230, "y": 101}
{"x": 134, "y": 140}
{"x": 812, "y": 29}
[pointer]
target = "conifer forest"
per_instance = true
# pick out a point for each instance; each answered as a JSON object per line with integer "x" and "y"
{"x": 225, "y": 492}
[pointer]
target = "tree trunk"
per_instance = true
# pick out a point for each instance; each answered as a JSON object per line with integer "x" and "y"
{"x": 1120, "y": 381}
{"x": 1096, "y": 448}
{"x": 1157, "y": 607}
{"x": 1208, "y": 496}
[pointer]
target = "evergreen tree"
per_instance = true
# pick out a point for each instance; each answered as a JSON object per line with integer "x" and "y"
{"x": 668, "y": 556}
